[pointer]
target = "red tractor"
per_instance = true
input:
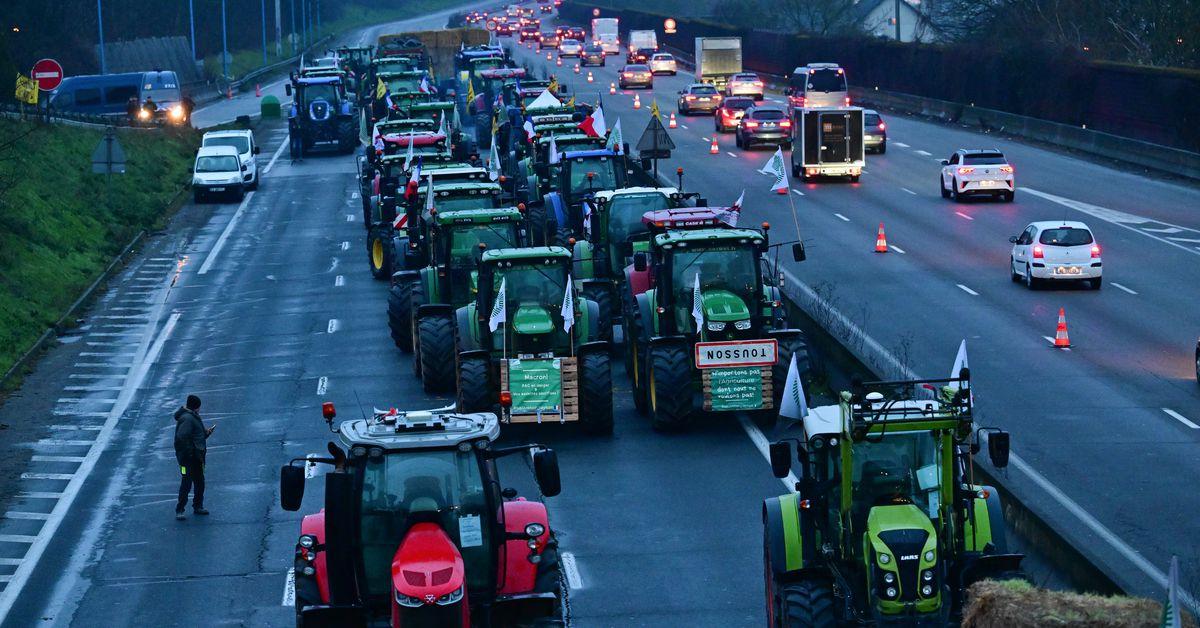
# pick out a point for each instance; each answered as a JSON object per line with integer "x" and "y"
{"x": 416, "y": 529}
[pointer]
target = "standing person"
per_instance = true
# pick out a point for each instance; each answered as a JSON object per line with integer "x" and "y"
{"x": 132, "y": 107}
{"x": 151, "y": 108}
{"x": 190, "y": 448}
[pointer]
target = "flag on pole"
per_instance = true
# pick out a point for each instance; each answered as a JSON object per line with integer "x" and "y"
{"x": 654, "y": 110}
{"x": 571, "y": 103}
{"x": 376, "y": 138}
{"x": 616, "y": 139}
{"x": 588, "y": 210}
{"x": 470, "y": 91}
{"x": 442, "y": 124}
{"x": 424, "y": 87}
{"x": 737, "y": 205}
{"x": 1171, "y": 615}
{"x": 494, "y": 159}
{"x": 408, "y": 157}
{"x": 554, "y": 157}
{"x": 698, "y": 306}
{"x": 960, "y": 362}
{"x": 553, "y": 86}
{"x": 593, "y": 125}
{"x": 414, "y": 181}
{"x": 429, "y": 195}
{"x": 793, "y": 405}
{"x": 568, "y": 307}
{"x": 380, "y": 89}
{"x": 775, "y": 167}
{"x": 498, "y": 313}
{"x": 27, "y": 90}
{"x": 528, "y": 126}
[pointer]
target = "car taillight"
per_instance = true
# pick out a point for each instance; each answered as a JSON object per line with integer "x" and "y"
{"x": 758, "y": 83}
{"x": 1038, "y": 253}
{"x": 1006, "y": 169}
{"x": 1095, "y": 251}
{"x": 750, "y": 124}
{"x": 847, "y": 101}
{"x": 882, "y": 126}
{"x": 965, "y": 170}
{"x": 787, "y": 124}
{"x": 689, "y": 97}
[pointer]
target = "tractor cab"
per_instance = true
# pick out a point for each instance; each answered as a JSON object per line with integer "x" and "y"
{"x": 415, "y": 528}
{"x": 884, "y": 483}
{"x": 394, "y": 64}
{"x": 534, "y": 282}
{"x": 489, "y": 84}
{"x": 623, "y": 220}
{"x": 459, "y": 239}
{"x": 579, "y": 176}
{"x": 540, "y": 166}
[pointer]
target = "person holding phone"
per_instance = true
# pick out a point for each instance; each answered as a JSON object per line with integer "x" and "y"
{"x": 191, "y": 438}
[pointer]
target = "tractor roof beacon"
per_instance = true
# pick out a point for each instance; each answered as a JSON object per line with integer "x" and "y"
{"x": 887, "y": 525}
{"x": 415, "y": 528}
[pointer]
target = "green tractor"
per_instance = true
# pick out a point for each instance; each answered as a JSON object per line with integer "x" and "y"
{"x": 705, "y": 325}
{"x": 579, "y": 175}
{"x": 514, "y": 353}
{"x": 536, "y": 171}
{"x": 421, "y": 303}
{"x": 888, "y": 525}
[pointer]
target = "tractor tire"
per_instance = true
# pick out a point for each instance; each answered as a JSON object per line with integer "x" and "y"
{"x": 436, "y": 347}
{"x": 632, "y": 324}
{"x": 347, "y": 136}
{"x": 380, "y": 253}
{"x": 669, "y": 387}
{"x": 535, "y": 216}
{"x": 416, "y": 300}
{"x": 400, "y": 315}
{"x": 562, "y": 236}
{"x": 788, "y": 347}
{"x": 475, "y": 391}
{"x": 549, "y": 572}
{"x": 596, "y": 394}
{"x": 807, "y": 603}
{"x": 603, "y": 297}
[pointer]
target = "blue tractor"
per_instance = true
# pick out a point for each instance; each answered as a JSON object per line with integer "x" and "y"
{"x": 321, "y": 113}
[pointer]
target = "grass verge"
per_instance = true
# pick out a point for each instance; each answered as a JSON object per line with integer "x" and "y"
{"x": 60, "y": 225}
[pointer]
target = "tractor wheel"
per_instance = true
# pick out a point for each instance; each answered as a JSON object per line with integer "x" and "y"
{"x": 669, "y": 387}
{"x": 436, "y": 346}
{"x": 417, "y": 299}
{"x": 797, "y": 346}
{"x": 536, "y": 217}
{"x": 549, "y": 573}
{"x": 804, "y": 604}
{"x": 347, "y": 136}
{"x": 602, "y": 295}
{"x": 400, "y": 315}
{"x": 632, "y": 323}
{"x": 380, "y": 253}
{"x": 474, "y": 385}
{"x": 596, "y": 394}
{"x": 562, "y": 235}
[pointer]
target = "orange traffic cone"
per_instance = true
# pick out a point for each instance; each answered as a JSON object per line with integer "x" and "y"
{"x": 590, "y": 79}
{"x": 714, "y": 149}
{"x": 637, "y": 101}
{"x": 577, "y": 68}
{"x": 881, "y": 241}
{"x": 672, "y": 124}
{"x": 781, "y": 191}
{"x": 257, "y": 90}
{"x": 1061, "y": 341}
{"x": 229, "y": 92}
{"x": 558, "y": 61}
{"x": 549, "y": 56}
{"x": 612, "y": 88}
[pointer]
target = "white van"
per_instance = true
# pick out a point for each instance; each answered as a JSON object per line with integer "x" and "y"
{"x": 218, "y": 171}
{"x": 243, "y": 142}
{"x": 817, "y": 85}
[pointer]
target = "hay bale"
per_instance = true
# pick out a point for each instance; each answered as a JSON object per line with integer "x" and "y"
{"x": 1018, "y": 604}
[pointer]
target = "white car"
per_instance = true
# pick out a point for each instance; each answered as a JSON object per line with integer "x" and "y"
{"x": 218, "y": 171}
{"x": 243, "y": 142}
{"x": 745, "y": 84}
{"x": 977, "y": 173}
{"x": 1050, "y": 251}
{"x": 663, "y": 63}
{"x": 570, "y": 48}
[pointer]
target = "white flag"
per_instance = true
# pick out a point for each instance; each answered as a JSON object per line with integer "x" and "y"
{"x": 498, "y": 309}
{"x": 698, "y": 306}
{"x": 553, "y": 150}
{"x": 960, "y": 362}
{"x": 568, "y": 307}
{"x": 429, "y": 195}
{"x": 589, "y": 208}
{"x": 528, "y": 126}
{"x": 409, "y": 157}
{"x": 616, "y": 140}
{"x": 442, "y": 124}
{"x": 777, "y": 169}
{"x": 737, "y": 205}
{"x": 1172, "y": 617}
{"x": 793, "y": 404}
{"x": 494, "y": 160}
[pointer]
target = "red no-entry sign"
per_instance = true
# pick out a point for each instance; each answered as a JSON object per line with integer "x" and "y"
{"x": 48, "y": 74}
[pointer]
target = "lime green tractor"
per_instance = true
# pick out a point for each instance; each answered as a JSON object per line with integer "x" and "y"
{"x": 422, "y": 302}
{"x": 705, "y": 326}
{"x": 888, "y": 525}
{"x": 530, "y": 350}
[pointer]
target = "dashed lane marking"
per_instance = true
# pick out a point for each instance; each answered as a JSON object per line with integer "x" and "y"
{"x": 345, "y": 246}
{"x": 964, "y": 215}
{"x": 909, "y": 191}
{"x": 1138, "y": 224}
{"x": 354, "y": 195}
{"x": 967, "y": 290}
{"x": 923, "y": 153}
{"x": 896, "y": 249}
{"x": 1182, "y": 419}
{"x": 574, "y": 581}
{"x": 349, "y": 217}
{"x": 274, "y": 158}
{"x": 322, "y": 386}
{"x": 339, "y": 281}
{"x": 289, "y": 588}
{"x": 900, "y": 144}
{"x": 333, "y": 326}
{"x": 220, "y": 244}
{"x": 1050, "y": 339}
{"x": 730, "y": 154}
{"x": 798, "y": 192}
{"x": 845, "y": 219}
{"x": 1120, "y": 287}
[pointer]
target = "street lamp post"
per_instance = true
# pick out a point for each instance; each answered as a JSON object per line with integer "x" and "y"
{"x": 264, "y": 30}
{"x": 192, "y": 26}
{"x": 897, "y": 11}
{"x": 293, "y": 26}
{"x": 303, "y": 24}
{"x": 224, "y": 43}
{"x": 100, "y": 21}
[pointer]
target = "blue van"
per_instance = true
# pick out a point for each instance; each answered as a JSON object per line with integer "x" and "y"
{"x": 109, "y": 94}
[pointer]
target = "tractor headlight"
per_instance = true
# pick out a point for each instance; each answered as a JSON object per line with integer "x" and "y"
{"x": 716, "y": 326}
{"x": 890, "y": 592}
{"x": 451, "y": 597}
{"x": 926, "y": 591}
{"x": 143, "y": 114}
{"x": 308, "y": 570}
{"x": 927, "y": 575}
{"x": 307, "y": 541}
{"x": 929, "y": 556}
{"x": 885, "y": 558}
{"x": 742, "y": 325}
{"x": 889, "y": 577}
{"x": 535, "y": 530}
{"x": 410, "y": 601}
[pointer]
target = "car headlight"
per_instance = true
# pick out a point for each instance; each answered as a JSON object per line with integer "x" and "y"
{"x": 176, "y": 112}
{"x": 143, "y": 114}
{"x": 742, "y": 325}
{"x": 716, "y": 326}
{"x": 535, "y": 530}
{"x": 451, "y": 597}
{"x": 410, "y": 601}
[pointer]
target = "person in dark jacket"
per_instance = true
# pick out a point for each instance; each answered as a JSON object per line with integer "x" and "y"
{"x": 132, "y": 107}
{"x": 191, "y": 438}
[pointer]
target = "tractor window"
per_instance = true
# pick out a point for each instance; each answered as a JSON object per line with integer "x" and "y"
{"x": 901, "y": 468}
{"x": 471, "y": 201}
{"x": 400, "y": 84}
{"x": 533, "y": 290}
{"x": 442, "y": 487}
{"x": 320, "y": 92}
{"x": 625, "y": 214}
{"x": 465, "y": 240}
{"x": 605, "y": 169}
{"x": 731, "y": 269}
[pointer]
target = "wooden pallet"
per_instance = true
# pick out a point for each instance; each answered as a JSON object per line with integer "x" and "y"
{"x": 768, "y": 389}
{"x": 570, "y": 395}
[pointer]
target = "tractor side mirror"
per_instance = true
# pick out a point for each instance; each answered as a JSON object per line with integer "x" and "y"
{"x": 291, "y": 487}
{"x": 998, "y": 446}
{"x": 639, "y": 262}
{"x": 545, "y": 468}
{"x": 1012, "y": 239}
{"x": 288, "y": 89}
{"x": 798, "y": 254}
{"x": 781, "y": 459}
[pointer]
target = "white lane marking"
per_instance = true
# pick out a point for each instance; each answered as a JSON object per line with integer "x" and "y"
{"x": 964, "y": 216}
{"x": 216, "y": 249}
{"x": 730, "y": 154}
{"x": 354, "y": 195}
{"x": 909, "y": 191}
{"x": 1063, "y": 500}
{"x": 923, "y": 153}
{"x": 683, "y": 126}
{"x": 967, "y": 290}
{"x": 77, "y": 400}
{"x": 28, "y": 516}
{"x": 764, "y": 447}
{"x": 1050, "y": 339}
{"x": 333, "y": 326}
{"x": 107, "y": 353}
{"x": 75, "y": 481}
{"x": 339, "y": 281}
{"x": 574, "y": 581}
{"x": 349, "y": 217}
{"x": 1166, "y": 230}
{"x": 274, "y": 158}
{"x": 842, "y": 217}
{"x": 10, "y": 561}
{"x": 47, "y": 476}
{"x": 1120, "y": 287}
{"x": 289, "y": 588}
{"x": 1179, "y": 417}
{"x": 1119, "y": 218}
{"x": 17, "y": 538}
{"x": 322, "y": 385}
{"x": 896, "y": 249}
{"x": 333, "y": 264}
{"x": 92, "y": 388}
{"x": 345, "y": 246}
{"x": 63, "y": 442}
{"x": 40, "y": 458}
{"x": 39, "y": 495}
{"x": 1178, "y": 239}
{"x": 798, "y": 192}
{"x": 900, "y": 144}
{"x": 73, "y": 426}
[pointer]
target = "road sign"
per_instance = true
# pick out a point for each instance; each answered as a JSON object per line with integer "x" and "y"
{"x": 736, "y": 353}
{"x": 48, "y": 74}
{"x": 655, "y": 143}
{"x": 109, "y": 157}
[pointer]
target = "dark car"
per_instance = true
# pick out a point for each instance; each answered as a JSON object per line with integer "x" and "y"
{"x": 592, "y": 54}
{"x": 874, "y": 132}
{"x": 549, "y": 40}
{"x": 765, "y": 124}
{"x": 571, "y": 32}
{"x": 529, "y": 33}
{"x": 641, "y": 55}
{"x": 726, "y": 118}
{"x": 635, "y": 75}
{"x": 698, "y": 97}
{"x": 1198, "y": 361}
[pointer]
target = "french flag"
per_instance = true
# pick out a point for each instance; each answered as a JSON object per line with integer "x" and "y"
{"x": 414, "y": 181}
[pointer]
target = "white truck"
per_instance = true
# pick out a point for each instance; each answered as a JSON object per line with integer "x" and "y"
{"x": 828, "y": 143}
{"x": 642, "y": 39}
{"x": 717, "y": 59}
{"x": 605, "y": 34}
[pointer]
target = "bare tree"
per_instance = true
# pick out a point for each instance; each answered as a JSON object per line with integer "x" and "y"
{"x": 819, "y": 17}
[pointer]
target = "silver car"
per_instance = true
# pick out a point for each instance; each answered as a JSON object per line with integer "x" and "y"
{"x": 745, "y": 84}
{"x": 663, "y": 63}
